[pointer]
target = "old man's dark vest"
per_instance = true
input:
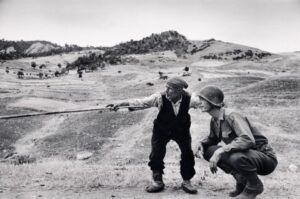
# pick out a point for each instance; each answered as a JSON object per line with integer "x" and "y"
{"x": 167, "y": 122}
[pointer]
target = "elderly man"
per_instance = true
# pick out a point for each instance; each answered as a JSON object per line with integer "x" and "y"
{"x": 246, "y": 152}
{"x": 172, "y": 123}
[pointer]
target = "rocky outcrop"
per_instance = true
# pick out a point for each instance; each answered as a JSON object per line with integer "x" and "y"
{"x": 39, "y": 47}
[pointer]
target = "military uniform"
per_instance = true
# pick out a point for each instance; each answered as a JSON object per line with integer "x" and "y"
{"x": 247, "y": 150}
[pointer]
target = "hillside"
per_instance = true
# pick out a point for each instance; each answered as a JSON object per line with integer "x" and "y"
{"x": 166, "y": 41}
{"x": 219, "y": 50}
{"x": 41, "y": 156}
{"x": 170, "y": 41}
{"x": 173, "y": 41}
{"x": 19, "y": 49}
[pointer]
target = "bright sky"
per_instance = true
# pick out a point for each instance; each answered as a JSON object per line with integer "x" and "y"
{"x": 272, "y": 25}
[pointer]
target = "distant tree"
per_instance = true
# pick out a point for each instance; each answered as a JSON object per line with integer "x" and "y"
{"x": 42, "y": 66}
{"x": 33, "y": 65}
{"x": 40, "y": 75}
{"x": 249, "y": 53}
{"x": 186, "y": 68}
{"x": 79, "y": 73}
{"x": 57, "y": 73}
{"x": 94, "y": 67}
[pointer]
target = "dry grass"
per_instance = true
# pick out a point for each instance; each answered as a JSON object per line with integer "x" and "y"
{"x": 120, "y": 141}
{"x": 85, "y": 132}
{"x": 12, "y": 130}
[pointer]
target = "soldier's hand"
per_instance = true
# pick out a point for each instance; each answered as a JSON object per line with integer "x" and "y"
{"x": 213, "y": 161}
{"x": 199, "y": 152}
{"x": 213, "y": 166}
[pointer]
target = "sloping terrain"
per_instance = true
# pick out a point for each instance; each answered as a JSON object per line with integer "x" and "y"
{"x": 266, "y": 90}
{"x": 39, "y": 47}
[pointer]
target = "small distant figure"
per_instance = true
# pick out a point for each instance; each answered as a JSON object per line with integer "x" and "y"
{"x": 7, "y": 70}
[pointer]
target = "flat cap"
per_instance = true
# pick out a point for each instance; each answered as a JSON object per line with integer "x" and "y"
{"x": 177, "y": 82}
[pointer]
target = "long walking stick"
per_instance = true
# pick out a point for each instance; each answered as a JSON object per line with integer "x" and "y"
{"x": 130, "y": 108}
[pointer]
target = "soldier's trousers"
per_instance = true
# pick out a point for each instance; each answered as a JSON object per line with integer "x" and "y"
{"x": 244, "y": 162}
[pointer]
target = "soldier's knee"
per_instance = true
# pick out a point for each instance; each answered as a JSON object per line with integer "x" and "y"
{"x": 237, "y": 158}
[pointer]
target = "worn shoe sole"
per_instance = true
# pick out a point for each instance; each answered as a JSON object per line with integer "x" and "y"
{"x": 155, "y": 189}
{"x": 189, "y": 190}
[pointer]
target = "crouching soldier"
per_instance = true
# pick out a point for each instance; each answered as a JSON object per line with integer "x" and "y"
{"x": 246, "y": 153}
{"x": 172, "y": 123}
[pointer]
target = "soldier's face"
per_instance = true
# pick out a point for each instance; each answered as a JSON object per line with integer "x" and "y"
{"x": 205, "y": 106}
{"x": 173, "y": 93}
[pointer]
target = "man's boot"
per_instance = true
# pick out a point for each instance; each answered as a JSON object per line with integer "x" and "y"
{"x": 188, "y": 187}
{"x": 158, "y": 184}
{"x": 253, "y": 187}
{"x": 241, "y": 182}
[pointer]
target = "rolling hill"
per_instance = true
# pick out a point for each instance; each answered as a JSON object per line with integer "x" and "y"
{"x": 39, "y": 155}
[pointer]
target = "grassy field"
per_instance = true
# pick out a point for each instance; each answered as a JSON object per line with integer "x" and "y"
{"x": 120, "y": 141}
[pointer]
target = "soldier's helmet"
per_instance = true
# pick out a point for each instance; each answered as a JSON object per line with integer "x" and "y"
{"x": 213, "y": 95}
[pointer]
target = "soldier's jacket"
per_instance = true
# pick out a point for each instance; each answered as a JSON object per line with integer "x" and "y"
{"x": 237, "y": 132}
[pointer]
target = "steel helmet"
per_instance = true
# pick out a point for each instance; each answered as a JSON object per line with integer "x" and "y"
{"x": 213, "y": 95}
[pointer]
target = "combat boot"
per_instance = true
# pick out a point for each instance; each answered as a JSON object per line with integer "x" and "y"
{"x": 157, "y": 184}
{"x": 241, "y": 182}
{"x": 253, "y": 187}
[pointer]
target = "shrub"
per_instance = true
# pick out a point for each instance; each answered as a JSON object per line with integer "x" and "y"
{"x": 33, "y": 65}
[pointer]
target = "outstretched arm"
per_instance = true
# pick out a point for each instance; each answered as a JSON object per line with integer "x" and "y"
{"x": 154, "y": 100}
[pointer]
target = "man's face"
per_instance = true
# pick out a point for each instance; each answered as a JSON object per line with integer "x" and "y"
{"x": 205, "y": 106}
{"x": 173, "y": 93}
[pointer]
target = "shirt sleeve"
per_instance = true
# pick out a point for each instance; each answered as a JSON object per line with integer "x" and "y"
{"x": 195, "y": 101}
{"x": 212, "y": 139}
{"x": 244, "y": 139}
{"x": 154, "y": 100}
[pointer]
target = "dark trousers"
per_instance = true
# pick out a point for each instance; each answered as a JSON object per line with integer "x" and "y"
{"x": 159, "y": 142}
{"x": 244, "y": 162}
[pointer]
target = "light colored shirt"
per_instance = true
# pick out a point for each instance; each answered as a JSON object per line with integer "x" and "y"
{"x": 155, "y": 100}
